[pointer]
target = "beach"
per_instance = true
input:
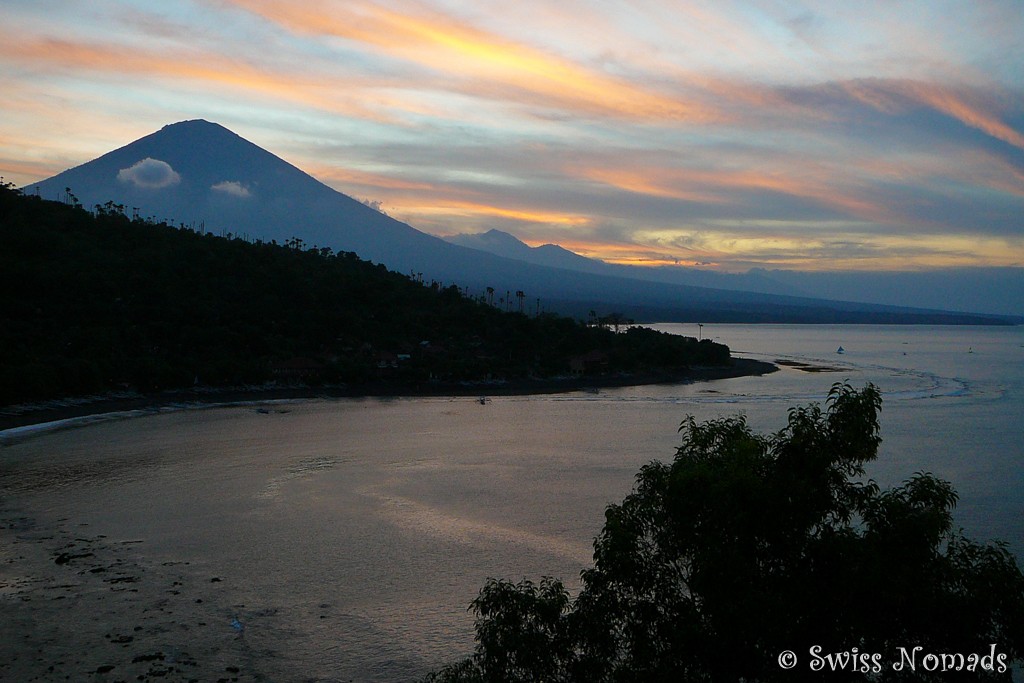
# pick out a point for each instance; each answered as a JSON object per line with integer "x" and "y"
{"x": 129, "y": 402}
{"x": 337, "y": 539}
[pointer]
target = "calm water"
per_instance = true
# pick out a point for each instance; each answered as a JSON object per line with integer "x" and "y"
{"x": 394, "y": 512}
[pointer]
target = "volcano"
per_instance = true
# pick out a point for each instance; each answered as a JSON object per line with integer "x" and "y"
{"x": 202, "y": 175}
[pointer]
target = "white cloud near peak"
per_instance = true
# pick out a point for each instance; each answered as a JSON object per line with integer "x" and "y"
{"x": 149, "y": 173}
{"x": 233, "y": 188}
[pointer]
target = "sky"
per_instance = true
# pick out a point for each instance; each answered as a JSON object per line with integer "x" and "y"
{"x": 872, "y": 135}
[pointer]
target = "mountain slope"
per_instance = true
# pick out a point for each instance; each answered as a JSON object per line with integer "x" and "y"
{"x": 199, "y": 173}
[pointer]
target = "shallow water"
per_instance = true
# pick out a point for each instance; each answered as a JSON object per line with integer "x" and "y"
{"x": 355, "y": 532}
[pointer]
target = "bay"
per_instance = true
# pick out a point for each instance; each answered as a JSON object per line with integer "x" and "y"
{"x": 354, "y": 533}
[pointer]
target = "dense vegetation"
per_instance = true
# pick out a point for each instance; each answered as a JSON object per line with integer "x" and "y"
{"x": 93, "y": 301}
{"x": 766, "y": 558}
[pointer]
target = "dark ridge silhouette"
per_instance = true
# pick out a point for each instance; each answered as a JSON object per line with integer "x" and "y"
{"x": 94, "y": 302}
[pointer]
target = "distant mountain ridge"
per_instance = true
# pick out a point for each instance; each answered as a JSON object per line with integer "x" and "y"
{"x": 200, "y": 173}
{"x": 507, "y": 245}
{"x": 555, "y": 256}
{"x": 999, "y": 290}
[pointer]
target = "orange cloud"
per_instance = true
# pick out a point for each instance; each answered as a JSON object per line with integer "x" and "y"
{"x": 652, "y": 182}
{"x": 953, "y": 105}
{"x": 714, "y": 186}
{"x": 786, "y": 248}
{"x": 868, "y": 92}
{"x": 467, "y": 208}
{"x": 366, "y": 179}
{"x": 633, "y": 254}
{"x": 22, "y": 172}
{"x": 889, "y": 96}
{"x": 974, "y": 168}
{"x": 422, "y": 199}
{"x": 446, "y": 45}
{"x": 197, "y": 67}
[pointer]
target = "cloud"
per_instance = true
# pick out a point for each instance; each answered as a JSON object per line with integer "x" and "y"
{"x": 202, "y": 69}
{"x": 486, "y": 64}
{"x": 233, "y": 188}
{"x": 653, "y": 130}
{"x": 886, "y": 95}
{"x": 149, "y": 173}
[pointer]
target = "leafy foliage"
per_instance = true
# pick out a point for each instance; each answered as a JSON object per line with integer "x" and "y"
{"x": 92, "y": 301}
{"x": 749, "y": 545}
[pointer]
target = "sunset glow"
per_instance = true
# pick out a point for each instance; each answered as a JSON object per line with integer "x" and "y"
{"x": 720, "y": 135}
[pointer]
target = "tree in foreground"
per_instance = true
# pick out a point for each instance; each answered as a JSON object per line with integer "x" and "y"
{"x": 748, "y": 547}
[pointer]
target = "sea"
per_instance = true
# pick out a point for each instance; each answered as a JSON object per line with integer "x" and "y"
{"x": 387, "y": 515}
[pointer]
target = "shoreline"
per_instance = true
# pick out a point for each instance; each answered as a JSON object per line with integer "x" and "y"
{"x": 86, "y": 599}
{"x": 74, "y": 410}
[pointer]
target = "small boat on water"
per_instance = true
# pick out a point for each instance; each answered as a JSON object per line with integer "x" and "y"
{"x": 840, "y": 350}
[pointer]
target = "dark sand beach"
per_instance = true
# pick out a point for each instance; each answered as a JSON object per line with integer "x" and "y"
{"x": 52, "y": 411}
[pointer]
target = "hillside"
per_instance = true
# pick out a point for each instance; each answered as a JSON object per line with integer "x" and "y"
{"x": 99, "y": 301}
